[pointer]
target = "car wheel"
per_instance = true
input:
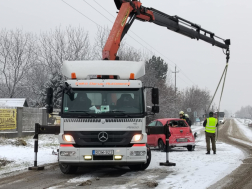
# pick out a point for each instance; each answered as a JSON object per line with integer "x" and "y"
{"x": 161, "y": 145}
{"x": 68, "y": 169}
{"x": 190, "y": 148}
{"x": 142, "y": 166}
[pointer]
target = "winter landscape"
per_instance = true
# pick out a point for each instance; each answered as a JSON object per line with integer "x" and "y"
{"x": 125, "y": 94}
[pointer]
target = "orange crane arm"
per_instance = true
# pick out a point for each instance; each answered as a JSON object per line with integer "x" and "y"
{"x": 121, "y": 27}
{"x": 135, "y": 10}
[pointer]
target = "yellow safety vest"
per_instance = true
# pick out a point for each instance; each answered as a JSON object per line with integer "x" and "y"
{"x": 211, "y": 125}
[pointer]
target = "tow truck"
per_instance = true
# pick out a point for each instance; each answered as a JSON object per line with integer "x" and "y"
{"x": 103, "y": 111}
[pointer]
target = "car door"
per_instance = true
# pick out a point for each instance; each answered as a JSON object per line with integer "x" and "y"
{"x": 150, "y": 138}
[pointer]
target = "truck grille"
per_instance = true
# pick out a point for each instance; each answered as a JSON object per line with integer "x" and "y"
{"x": 92, "y": 120}
{"x": 91, "y": 139}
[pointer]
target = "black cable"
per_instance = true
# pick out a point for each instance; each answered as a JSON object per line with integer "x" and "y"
{"x": 81, "y": 13}
{"x": 217, "y": 88}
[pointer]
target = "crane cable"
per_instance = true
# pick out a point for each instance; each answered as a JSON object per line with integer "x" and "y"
{"x": 225, "y": 75}
{"x": 223, "y": 85}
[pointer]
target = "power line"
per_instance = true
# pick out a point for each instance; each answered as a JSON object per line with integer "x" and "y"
{"x": 81, "y": 13}
{"x": 104, "y": 9}
{"x": 97, "y": 10}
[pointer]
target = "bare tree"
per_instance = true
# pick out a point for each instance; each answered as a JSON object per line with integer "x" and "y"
{"x": 196, "y": 99}
{"x": 17, "y": 56}
{"x": 60, "y": 45}
{"x": 244, "y": 112}
{"x": 100, "y": 41}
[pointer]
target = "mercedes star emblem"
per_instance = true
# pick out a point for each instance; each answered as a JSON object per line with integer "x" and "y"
{"x": 103, "y": 136}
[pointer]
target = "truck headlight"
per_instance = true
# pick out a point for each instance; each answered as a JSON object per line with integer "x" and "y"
{"x": 68, "y": 138}
{"x": 137, "y": 138}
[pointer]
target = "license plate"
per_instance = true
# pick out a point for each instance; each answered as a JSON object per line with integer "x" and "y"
{"x": 103, "y": 152}
{"x": 182, "y": 140}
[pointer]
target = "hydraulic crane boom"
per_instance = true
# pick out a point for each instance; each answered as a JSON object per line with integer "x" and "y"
{"x": 135, "y": 10}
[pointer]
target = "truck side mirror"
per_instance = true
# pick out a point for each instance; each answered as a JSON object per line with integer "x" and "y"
{"x": 49, "y": 100}
{"x": 155, "y": 96}
{"x": 155, "y": 109}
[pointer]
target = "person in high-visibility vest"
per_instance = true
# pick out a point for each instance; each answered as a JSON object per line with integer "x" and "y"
{"x": 210, "y": 125}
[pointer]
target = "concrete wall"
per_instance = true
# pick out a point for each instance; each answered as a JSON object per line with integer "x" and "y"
{"x": 26, "y": 119}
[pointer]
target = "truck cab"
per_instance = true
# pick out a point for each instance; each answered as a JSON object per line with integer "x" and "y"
{"x": 103, "y": 118}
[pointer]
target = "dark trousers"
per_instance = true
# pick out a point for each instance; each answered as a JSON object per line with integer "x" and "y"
{"x": 210, "y": 136}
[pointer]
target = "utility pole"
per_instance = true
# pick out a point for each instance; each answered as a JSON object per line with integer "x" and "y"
{"x": 175, "y": 83}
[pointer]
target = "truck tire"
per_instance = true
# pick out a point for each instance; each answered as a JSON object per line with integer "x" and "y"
{"x": 190, "y": 148}
{"x": 161, "y": 145}
{"x": 68, "y": 169}
{"x": 143, "y": 166}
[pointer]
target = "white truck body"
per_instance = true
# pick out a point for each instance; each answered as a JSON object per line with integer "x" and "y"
{"x": 105, "y": 117}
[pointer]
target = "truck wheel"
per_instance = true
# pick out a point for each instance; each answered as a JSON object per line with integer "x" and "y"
{"x": 190, "y": 148}
{"x": 161, "y": 145}
{"x": 68, "y": 169}
{"x": 143, "y": 166}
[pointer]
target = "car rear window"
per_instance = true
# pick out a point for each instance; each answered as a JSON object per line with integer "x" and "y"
{"x": 177, "y": 123}
{"x": 159, "y": 123}
{"x": 152, "y": 123}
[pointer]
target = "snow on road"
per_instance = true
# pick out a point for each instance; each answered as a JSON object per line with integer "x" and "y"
{"x": 243, "y": 126}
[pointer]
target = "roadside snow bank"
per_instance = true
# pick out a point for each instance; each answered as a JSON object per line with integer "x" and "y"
{"x": 23, "y": 156}
{"x": 243, "y": 125}
{"x": 196, "y": 169}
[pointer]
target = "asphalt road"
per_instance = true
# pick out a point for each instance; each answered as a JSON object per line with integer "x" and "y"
{"x": 108, "y": 177}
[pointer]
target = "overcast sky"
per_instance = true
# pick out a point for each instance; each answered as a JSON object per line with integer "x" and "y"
{"x": 199, "y": 63}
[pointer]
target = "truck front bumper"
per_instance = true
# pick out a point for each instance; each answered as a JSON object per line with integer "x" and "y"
{"x": 130, "y": 155}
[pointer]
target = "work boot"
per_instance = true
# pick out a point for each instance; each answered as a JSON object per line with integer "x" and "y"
{"x": 208, "y": 152}
{"x": 214, "y": 152}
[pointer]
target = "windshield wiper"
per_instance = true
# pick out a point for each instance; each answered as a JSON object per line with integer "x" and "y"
{"x": 78, "y": 111}
{"x": 115, "y": 111}
{"x": 85, "y": 112}
{"x": 122, "y": 112}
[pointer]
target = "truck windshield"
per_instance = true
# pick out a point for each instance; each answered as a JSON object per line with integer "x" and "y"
{"x": 104, "y": 101}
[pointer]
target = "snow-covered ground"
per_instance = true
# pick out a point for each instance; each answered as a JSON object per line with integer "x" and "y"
{"x": 23, "y": 156}
{"x": 196, "y": 169}
{"x": 192, "y": 170}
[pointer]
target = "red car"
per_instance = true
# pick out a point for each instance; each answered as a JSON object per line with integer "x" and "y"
{"x": 181, "y": 134}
